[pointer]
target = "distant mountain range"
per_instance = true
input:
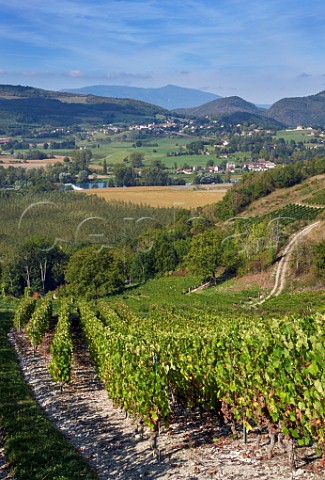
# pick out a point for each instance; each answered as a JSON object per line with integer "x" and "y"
{"x": 169, "y": 97}
{"x": 29, "y": 105}
{"x": 191, "y": 102}
{"x": 288, "y": 111}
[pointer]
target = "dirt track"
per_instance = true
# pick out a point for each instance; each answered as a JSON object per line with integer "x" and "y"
{"x": 282, "y": 268}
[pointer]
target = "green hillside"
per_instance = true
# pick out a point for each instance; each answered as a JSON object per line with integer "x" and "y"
{"x": 223, "y": 106}
{"x": 300, "y": 110}
{"x": 28, "y": 105}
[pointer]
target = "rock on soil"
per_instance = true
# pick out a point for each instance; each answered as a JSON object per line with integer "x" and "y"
{"x": 4, "y": 467}
{"x": 190, "y": 449}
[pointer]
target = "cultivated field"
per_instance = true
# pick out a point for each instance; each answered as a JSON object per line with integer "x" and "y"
{"x": 157, "y": 148}
{"x": 178, "y": 197}
{"x": 28, "y": 164}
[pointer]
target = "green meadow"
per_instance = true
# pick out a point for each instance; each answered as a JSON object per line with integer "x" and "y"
{"x": 156, "y": 148}
{"x": 296, "y": 135}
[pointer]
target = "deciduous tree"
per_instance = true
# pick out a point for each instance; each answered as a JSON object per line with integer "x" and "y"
{"x": 95, "y": 271}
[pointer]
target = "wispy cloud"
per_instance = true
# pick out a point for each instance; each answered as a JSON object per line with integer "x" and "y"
{"x": 302, "y": 76}
{"x": 111, "y": 76}
{"x": 77, "y": 74}
{"x": 230, "y": 41}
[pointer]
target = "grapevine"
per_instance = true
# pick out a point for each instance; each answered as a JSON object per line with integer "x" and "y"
{"x": 129, "y": 365}
{"x": 40, "y": 321}
{"x": 252, "y": 371}
{"x": 24, "y": 312}
{"x": 260, "y": 372}
{"x": 290, "y": 213}
{"x": 61, "y": 347}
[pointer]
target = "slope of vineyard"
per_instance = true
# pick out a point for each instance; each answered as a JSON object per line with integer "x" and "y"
{"x": 281, "y": 197}
{"x": 193, "y": 446}
{"x": 268, "y": 373}
{"x": 291, "y": 212}
{"x": 204, "y": 355}
{"x": 317, "y": 198}
{"x": 243, "y": 369}
{"x": 34, "y": 448}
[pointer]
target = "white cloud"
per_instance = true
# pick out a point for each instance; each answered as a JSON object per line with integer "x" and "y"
{"x": 75, "y": 73}
{"x": 249, "y": 46}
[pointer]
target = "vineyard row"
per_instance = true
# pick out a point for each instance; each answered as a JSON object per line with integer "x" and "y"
{"x": 255, "y": 372}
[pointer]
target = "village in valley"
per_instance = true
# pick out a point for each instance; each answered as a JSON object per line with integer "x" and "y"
{"x": 196, "y": 151}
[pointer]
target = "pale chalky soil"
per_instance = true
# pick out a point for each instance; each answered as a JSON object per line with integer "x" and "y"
{"x": 107, "y": 439}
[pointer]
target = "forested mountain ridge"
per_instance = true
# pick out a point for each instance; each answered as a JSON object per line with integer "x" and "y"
{"x": 20, "y": 104}
{"x": 223, "y": 105}
{"x": 294, "y": 111}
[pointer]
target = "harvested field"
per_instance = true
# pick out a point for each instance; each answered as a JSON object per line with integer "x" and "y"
{"x": 28, "y": 164}
{"x": 179, "y": 197}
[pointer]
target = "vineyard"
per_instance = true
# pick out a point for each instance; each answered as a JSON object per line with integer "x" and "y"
{"x": 318, "y": 198}
{"x": 290, "y": 213}
{"x": 244, "y": 371}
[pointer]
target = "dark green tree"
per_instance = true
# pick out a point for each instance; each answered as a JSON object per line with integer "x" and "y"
{"x": 105, "y": 167}
{"x": 94, "y": 272}
{"x": 37, "y": 264}
{"x": 136, "y": 159}
{"x": 143, "y": 265}
{"x": 205, "y": 254}
{"x": 124, "y": 176}
{"x": 320, "y": 258}
{"x": 153, "y": 176}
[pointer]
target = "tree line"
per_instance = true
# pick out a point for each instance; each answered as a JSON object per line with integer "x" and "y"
{"x": 102, "y": 247}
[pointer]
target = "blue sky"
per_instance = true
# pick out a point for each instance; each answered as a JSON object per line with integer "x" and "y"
{"x": 259, "y": 50}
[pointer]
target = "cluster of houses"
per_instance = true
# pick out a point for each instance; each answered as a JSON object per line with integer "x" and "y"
{"x": 169, "y": 124}
{"x": 230, "y": 167}
{"x": 5, "y": 140}
{"x": 261, "y": 165}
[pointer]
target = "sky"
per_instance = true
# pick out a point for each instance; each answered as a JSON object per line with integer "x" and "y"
{"x": 260, "y": 50}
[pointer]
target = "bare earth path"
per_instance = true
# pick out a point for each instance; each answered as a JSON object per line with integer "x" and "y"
{"x": 190, "y": 450}
{"x": 282, "y": 268}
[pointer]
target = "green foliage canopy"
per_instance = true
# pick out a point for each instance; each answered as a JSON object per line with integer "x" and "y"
{"x": 94, "y": 272}
{"x": 205, "y": 254}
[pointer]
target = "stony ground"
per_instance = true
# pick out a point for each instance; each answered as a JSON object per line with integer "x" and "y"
{"x": 4, "y": 467}
{"x": 190, "y": 449}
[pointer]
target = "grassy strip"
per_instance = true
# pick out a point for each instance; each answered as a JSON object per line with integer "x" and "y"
{"x": 34, "y": 448}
